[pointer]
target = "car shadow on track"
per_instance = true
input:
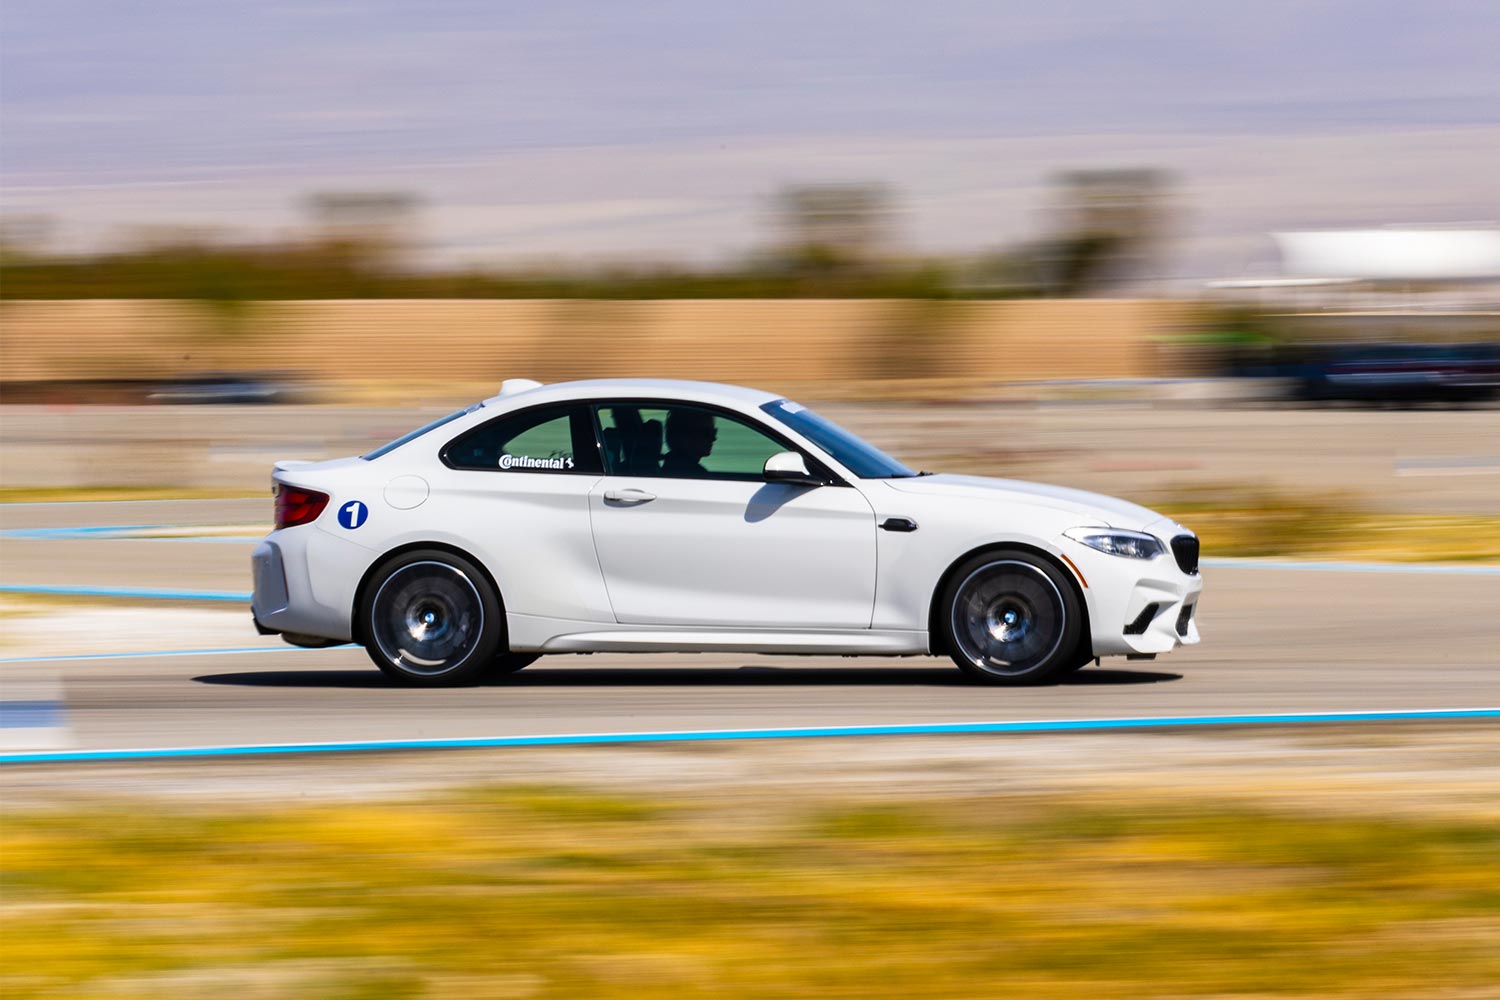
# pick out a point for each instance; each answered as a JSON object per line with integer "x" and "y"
{"x": 751, "y": 676}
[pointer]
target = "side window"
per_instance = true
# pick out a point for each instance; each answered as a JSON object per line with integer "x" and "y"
{"x": 681, "y": 442}
{"x": 552, "y": 439}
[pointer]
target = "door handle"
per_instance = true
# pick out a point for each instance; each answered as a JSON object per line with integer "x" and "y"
{"x": 629, "y": 496}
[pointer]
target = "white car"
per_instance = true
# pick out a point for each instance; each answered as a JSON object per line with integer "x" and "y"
{"x": 664, "y": 516}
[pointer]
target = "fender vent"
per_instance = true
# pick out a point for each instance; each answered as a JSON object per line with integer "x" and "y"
{"x": 1142, "y": 620}
{"x": 1185, "y": 548}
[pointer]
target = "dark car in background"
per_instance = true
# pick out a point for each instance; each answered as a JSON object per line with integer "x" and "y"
{"x": 241, "y": 388}
{"x": 1393, "y": 373}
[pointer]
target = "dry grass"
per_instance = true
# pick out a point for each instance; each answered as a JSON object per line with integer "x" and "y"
{"x": 542, "y": 892}
{"x": 1253, "y": 521}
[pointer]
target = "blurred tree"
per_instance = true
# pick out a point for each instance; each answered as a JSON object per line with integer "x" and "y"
{"x": 201, "y": 265}
{"x": 833, "y": 228}
{"x": 833, "y": 241}
{"x": 24, "y": 237}
{"x": 369, "y": 232}
{"x": 1107, "y": 224}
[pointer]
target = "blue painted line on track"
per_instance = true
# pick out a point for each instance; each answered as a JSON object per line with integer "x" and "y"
{"x": 36, "y": 714}
{"x": 141, "y": 593}
{"x": 121, "y": 533}
{"x": 149, "y": 654}
{"x": 82, "y": 531}
{"x": 690, "y": 736}
{"x": 1354, "y": 566}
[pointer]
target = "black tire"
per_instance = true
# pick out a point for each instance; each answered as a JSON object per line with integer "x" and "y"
{"x": 509, "y": 663}
{"x": 1012, "y": 618}
{"x": 430, "y": 618}
{"x": 1082, "y": 657}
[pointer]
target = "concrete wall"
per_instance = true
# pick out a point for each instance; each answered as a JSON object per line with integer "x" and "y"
{"x": 843, "y": 347}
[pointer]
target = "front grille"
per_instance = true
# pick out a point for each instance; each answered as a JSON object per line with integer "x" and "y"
{"x": 1185, "y": 548}
{"x": 1142, "y": 620}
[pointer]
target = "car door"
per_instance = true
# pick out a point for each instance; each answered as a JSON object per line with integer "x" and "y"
{"x": 688, "y": 532}
{"x": 515, "y": 492}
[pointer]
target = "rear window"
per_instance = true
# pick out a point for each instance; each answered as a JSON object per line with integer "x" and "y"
{"x": 551, "y": 439}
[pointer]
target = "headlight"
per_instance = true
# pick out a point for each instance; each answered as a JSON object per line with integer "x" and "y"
{"x": 1129, "y": 544}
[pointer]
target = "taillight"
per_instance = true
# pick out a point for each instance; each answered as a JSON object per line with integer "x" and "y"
{"x": 295, "y": 505}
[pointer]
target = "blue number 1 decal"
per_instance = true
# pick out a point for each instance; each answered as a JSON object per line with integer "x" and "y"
{"x": 353, "y": 514}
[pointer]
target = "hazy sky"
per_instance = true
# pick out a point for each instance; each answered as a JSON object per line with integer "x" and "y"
{"x": 569, "y": 128}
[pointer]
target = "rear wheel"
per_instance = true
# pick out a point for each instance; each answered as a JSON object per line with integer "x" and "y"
{"x": 1010, "y": 618}
{"x": 431, "y": 619}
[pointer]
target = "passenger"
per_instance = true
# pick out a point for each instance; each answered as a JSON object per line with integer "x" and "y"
{"x": 690, "y": 439}
{"x": 633, "y": 444}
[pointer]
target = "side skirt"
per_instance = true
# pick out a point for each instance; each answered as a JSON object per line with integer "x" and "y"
{"x": 529, "y": 633}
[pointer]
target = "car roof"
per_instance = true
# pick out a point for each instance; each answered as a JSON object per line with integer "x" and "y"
{"x": 652, "y": 388}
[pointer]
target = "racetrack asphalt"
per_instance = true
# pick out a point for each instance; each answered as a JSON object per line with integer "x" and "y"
{"x": 1276, "y": 641}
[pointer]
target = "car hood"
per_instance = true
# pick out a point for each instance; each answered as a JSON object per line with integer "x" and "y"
{"x": 1091, "y": 508}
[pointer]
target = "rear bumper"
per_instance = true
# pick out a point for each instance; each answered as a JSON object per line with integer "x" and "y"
{"x": 284, "y": 601}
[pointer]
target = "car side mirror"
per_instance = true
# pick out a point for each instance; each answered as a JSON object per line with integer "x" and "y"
{"x": 790, "y": 467}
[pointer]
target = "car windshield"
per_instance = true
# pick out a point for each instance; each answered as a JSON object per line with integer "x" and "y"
{"x": 858, "y": 456}
{"x": 403, "y": 439}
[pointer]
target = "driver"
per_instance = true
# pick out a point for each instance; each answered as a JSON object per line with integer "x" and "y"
{"x": 690, "y": 438}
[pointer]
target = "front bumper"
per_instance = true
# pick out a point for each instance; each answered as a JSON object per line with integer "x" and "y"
{"x": 1138, "y": 607}
{"x": 1156, "y": 616}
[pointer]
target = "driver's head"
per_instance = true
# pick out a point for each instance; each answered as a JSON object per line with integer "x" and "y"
{"x": 691, "y": 432}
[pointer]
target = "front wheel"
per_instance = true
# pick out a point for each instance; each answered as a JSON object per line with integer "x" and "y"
{"x": 508, "y": 663}
{"x": 1011, "y": 618}
{"x": 1081, "y": 658}
{"x": 431, "y": 619}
